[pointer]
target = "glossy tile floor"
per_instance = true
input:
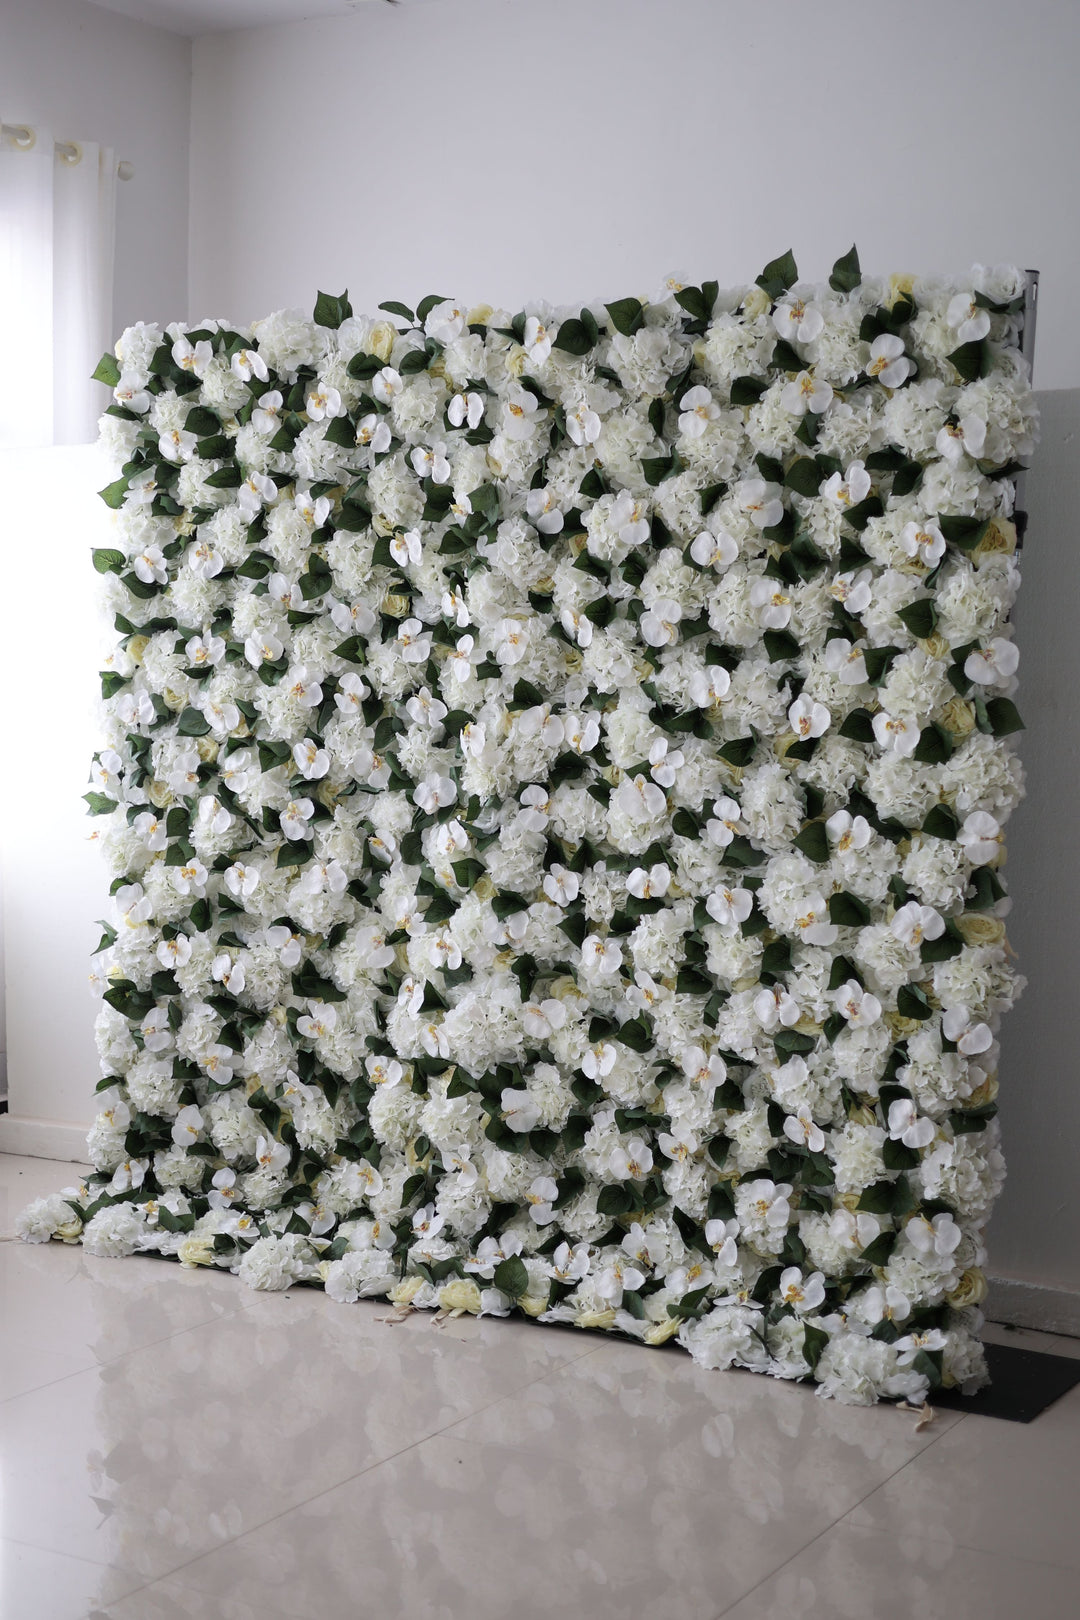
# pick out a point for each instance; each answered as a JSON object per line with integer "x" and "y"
{"x": 174, "y": 1447}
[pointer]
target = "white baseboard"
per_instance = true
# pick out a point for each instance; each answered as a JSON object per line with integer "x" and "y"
{"x": 42, "y": 1138}
{"x": 1031, "y": 1305}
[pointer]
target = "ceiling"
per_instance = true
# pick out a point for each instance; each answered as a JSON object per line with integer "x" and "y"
{"x": 218, "y": 16}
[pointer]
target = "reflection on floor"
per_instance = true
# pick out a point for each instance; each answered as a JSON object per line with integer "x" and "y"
{"x": 175, "y": 1447}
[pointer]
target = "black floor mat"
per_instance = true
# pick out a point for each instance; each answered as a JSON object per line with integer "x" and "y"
{"x": 1022, "y": 1384}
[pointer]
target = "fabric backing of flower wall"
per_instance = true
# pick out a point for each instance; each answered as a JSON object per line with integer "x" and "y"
{"x": 554, "y": 775}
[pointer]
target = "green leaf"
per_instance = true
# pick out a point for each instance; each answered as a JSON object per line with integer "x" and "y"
{"x": 814, "y": 1341}
{"x": 330, "y": 310}
{"x": 1004, "y": 716}
{"x": 106, "y": 371}
{"x": 414, "y": 362}
{"x": 627, "y": 315}
{"x": 778, "y": 275}
{"x": 846, "y": 272}
{"x": 227, "y": 477}
{"x": 934, "y": 746}
{"x": 107, "y": 561}
{"x": 877, "y": 1253}
{"x": 511, "y": 1276}
{"x": 813, "y": 841}
{"x": 113, "y": 494}
{"x": 858, "y": 726}
{"x": 804, "y": 476}
{"x": 911, "y": 1002}
{"x": 972, "y": 360}
{"x": 100, "y": 803}
{"x": 656, "y": 468}
{"x": 748, "y": 390}
{"x": 193, "y": 723}
{"x": 614, "y": 1200}
{"x": 426, "y": 305}
{"x": 297, "y": 853}
{"x": 403, "y": 310}
{"x": 848, "y": 911}
{"x": 920, "y": 617}
{"x": 941, "y": 822}
{"x": 574, "y": 338}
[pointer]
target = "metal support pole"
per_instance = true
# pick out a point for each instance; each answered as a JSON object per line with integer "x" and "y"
{"x": 1027, "y": 349}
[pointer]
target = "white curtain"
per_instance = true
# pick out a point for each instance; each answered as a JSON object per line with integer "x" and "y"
{"x": 57, "y": 230}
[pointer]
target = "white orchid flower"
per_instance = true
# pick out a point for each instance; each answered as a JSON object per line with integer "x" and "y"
{"x": 223, "y": 1189}
{"x": 769, "y": 597}
{"x": 227, "y": 971}
{"x": 540, "y": 722}
{"x": 314, "y": 1026}
{"x": 186, "y": 1126}
{"x": 802, "y": 1293}
{"x": 599, "y": 1061}
{"x": 924, "y": 543}
{"x": 414, "y": 641}
{"x": 538, "y": 339}
{"x": 730, "y": 907}
{"x": 761, "y": 500}
{"x": 135, "y": 708}
{"x": 261, "y": 647}
{"x": 583, "y": 424}
{"x": 577, "y": 626}
{"x": 519, "y": 1110}
{"x": 223, "y": 718}
{"x": 203, "y": 560}
{"x": 322, "y": 402}
{"x": 616, "y": 1279}
{"x": 939, "y": 1235}
{"x": 883, "y": 1303}
{"x": 697, "y": 409}
{"x": 708, "y": 686}
{"x": 426, "y": 710}
{"x": 248, "y": 363}
{"x": 971, "y": 323}
{"x": 659, "y": 624}
{"x": 295, "y": 817}
{"x": 679, "y": 1144}
{"x": 570, "y": 1265}
{"x": 561, "y": 886}
{"x": 634, "y": 1161}
{"x": 995, "y": 665}
{"x": 434, "y": 793}
{"x": 205, "y": 652}
{"x": 907, "y": 1126}
{"x": 581, "y": 733}
{"x": 265, "y": 418}
{"x": 149, "y": 566}
{"x": 520, "y": 413}
{"x": 968, "y": 1036}
{"x": 324, "y": 877}
{"x": 434, "y": 1040}
{"x": 213, "y": 817}
{"x": 601, "y": 956}
{"x": 806, "y": 393}
{"x": 383, "y": 1072}
{"x": 629, "y": 518}
{"x": 177, "y": 445}
{"x": 726, "y": 822}
{"x": 444, "y": 952}
{"x": 813, "y": 922}
{"x": 350, "y": 695}
{"x": 665, "y": 762}
{"x": 720, "y": 1236}
{"x": 913, "y": 923}
{"x": 845, "y": 659}
{"x": 888, "y": 363}
{"x": 797, "y": 321}
{"x": 768, "y": 1201}
{"x": 966, "y": 437}
{"x": 853, "y": 590}
{"x": 914, "y": 1344}
{"x": 445, "y": 321}
{"x": 801, "y": 1128}
{"x": 980, "y": 837}
{"x": 895, "y": 734}
{"x": 542, "y": 1018}
{"x": 717, "y": 551}
{"x": 534, "y": 812}
{"x": 194, "y": 358}
{"x": 451, "y": 838}
{"x": 175, "y": 952}
{"x": 847, "y": 488}
{"x": 190, "y": 878}
{"x": 462, "y": 657}
{"x": 310, "y": 760}
{"x": 465, "y": 410}
{"x": 640, "y": 799}
{"x": 271, "y": 1155}
{"x": 808, "y": 718}
{"x": 651, "y": 884}
{"x": 702, "y": 1068}
{"x": 430, "y": 461}
{"x": 286, "y": 943}
{"x": 241, "y": 881}
{"x": 155, "y": 1029}
{"x": 857, "y": 1005}
{"x": 150, "y": 830}
{"x": 130, "y": 392}
{"x": 775, "y": 1007}
{"x": 407, "y": 548}
{"x": 386, "y": 385}
{"x": 513, "y": 641}
{"x": 543, "y": 511}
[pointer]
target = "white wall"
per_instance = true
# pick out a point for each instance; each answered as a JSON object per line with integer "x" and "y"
{"x": 93, "y": 75}
{"x": 502, "y": 149}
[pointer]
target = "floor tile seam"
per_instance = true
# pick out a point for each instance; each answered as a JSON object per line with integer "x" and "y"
{"x": 110, "y": 1361}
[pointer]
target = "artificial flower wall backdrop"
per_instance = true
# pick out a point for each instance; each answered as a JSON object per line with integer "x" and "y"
{"x": 554, "y": 775}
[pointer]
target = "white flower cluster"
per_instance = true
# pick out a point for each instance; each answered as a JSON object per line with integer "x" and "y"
{"x": 554, "y": 774}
